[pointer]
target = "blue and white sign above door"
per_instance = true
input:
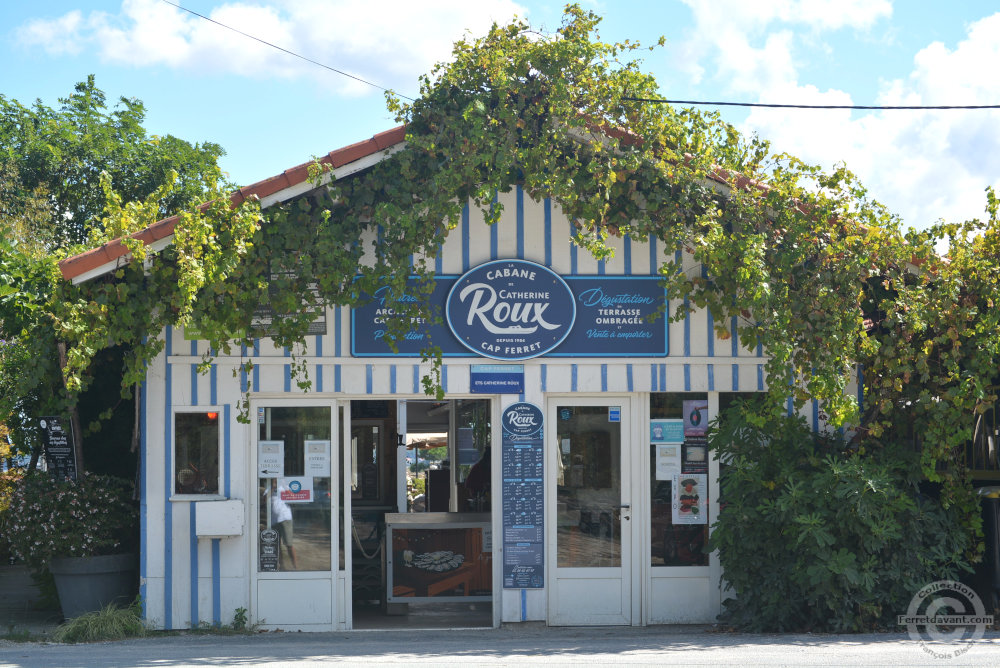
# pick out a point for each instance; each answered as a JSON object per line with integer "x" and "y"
{"x": 515, "y": 310}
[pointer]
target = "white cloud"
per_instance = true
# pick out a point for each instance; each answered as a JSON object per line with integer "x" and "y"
{"x": 924, "y": 165}
{"x": 751, "y": 45}
{"x": 388, "y": 42}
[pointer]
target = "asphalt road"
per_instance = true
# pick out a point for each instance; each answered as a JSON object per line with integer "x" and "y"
{"x": 520, "y": 645}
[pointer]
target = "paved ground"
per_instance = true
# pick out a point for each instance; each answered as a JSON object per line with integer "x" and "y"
{"x": 531, "y": 644}
{"x": 520, "y": 645}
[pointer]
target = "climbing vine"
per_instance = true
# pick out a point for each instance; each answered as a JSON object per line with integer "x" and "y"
{"x": 805, "y": 263}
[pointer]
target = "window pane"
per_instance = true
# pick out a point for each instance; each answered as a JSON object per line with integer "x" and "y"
{"x": 588, "y": 487}
{"x": 295, "y": 505}
{"x": 676, "y": 544}
{"x": 196, "y": 453}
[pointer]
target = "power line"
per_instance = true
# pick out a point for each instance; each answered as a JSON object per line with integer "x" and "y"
{"x": 291, "y": 53}
{"x": 814, "y": 106}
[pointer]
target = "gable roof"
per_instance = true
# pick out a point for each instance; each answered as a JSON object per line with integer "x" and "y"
{"x": 279, "y": 188}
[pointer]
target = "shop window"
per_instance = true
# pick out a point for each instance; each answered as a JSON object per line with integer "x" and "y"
{"x": 473, "y": 454}
{"x": 196, "y": 452}
{"x": 679, "y": 482}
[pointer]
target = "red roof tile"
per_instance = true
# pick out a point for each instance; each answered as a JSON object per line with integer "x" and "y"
{"x": 77, "y": 265}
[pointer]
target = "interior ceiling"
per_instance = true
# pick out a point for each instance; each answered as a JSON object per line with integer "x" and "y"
{"x": 427, "y": 417}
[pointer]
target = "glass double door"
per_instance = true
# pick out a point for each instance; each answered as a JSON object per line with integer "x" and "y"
{"x": 590, "y": 536}
{"x": 296, "y": 512}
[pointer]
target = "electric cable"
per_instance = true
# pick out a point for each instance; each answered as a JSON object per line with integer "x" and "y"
{"x": 862, "y": 107}
{"x": 284, "y": 50}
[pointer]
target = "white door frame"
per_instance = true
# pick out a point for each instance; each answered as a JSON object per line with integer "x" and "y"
{"x": 305, "y": 578}
{"x": 630, "y": 570}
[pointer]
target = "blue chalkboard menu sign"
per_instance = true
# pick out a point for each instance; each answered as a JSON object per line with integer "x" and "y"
{"x": 523, "y": 493}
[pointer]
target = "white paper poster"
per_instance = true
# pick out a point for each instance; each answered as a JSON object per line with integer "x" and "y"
{"x": 270, "y": 459}
{"x": 318, "y": 459}
{"x": 668, "y": 460}
{"x": 690, "y": 498}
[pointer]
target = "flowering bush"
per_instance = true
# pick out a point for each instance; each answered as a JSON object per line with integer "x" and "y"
{"x": 8, "y": 483}
{"x": 92, "y": 516}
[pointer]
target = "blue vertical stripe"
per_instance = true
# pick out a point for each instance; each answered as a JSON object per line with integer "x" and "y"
{"x": 545, "y": 374}
{"x": 736, "y": 378}
{"x": 416, "y": 379}
{"x": 337, "y": 317}
{"x": 760, "y": 377}
{"x": 369, "y": 380}
{"x": 654, "y": 385}
{"x": 734, "y": 338}
{"x": 572, "y": 250}
{"x": 687, "y": 327}
{"x": 466, "y": 235}
{"x": 653, "y": 264}
{"x": 143, "y": 502}
{"x": 243, "y": 379}
{"x": 286, "y": 373}
{"x": 494, "y": 232}
{"x": 711, "y": 378}
{"x": 687, "y": 377}
{"x": 392, "y": 379}
{"x": 628, "y": 255}
{"x": 760, "y": 347}
{"x": 663, "y": 377}
{"x": 711, "y": 333}
{"x": 604, "y": 378}
{"x": 194, "y": 384}
{"x": 520, "y": 397}
{"x": 861, "y": 391}
{"x": 256, "y": 378}
{"x": 573, "y": 378}
{"x": 548, "y": 231}
{"x": 194, "y": 564}
{"x": 168, "y": 512}
{"x": 319, "y": 367}
{"x": 666, "y": 324}
{"x": 336, "y": 378}
{"x": 815, "y": 407}
{"x": 628, "y": 376}
{"x": 216, "y": 582}
{"x": 524, "y": 605}
{"x": 439, "y": 260}
{"x": 791, "y": 382}
{"x": 519, "y": 196}
{"x": 213, "y": 385}
{"x": 444, "y": 377}
{"x": 601, "y": 267}
{"x": 256, "y": 347}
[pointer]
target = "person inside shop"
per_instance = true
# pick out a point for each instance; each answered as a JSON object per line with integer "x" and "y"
{"x": 477, "y": 483}
{"x": 281, "y": 520}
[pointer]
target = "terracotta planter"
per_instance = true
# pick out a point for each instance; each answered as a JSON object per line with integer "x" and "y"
{"x": 86, "y": 584}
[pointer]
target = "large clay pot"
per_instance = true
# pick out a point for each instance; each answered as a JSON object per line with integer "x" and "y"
{"x": 86, "y": 584}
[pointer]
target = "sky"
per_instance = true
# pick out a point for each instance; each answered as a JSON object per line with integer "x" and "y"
{"x": 271, "y": 111}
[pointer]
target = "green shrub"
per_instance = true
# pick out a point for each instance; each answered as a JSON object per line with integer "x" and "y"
{"x": 8, "y": 482}
{"x": 108, "y": 623}
{"x": 816, "y": 537}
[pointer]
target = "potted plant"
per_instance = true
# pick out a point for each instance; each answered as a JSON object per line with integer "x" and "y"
{"x": 80, "y": 532}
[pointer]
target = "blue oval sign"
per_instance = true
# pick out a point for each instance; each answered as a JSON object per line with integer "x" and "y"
{"x": 523, "y": 419}
{"x": 510, "y": 310}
